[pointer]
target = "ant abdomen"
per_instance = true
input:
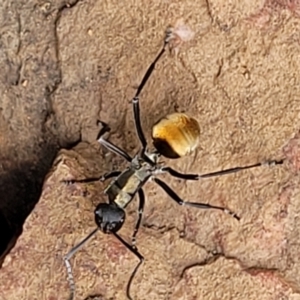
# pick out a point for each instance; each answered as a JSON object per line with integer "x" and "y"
{"x": 176, "y": 135}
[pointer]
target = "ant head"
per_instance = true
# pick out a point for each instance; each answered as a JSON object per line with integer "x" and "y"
{"x": 109, "y": 218}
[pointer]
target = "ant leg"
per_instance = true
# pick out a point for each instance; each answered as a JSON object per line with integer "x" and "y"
{"x": 134, "y": 250}
{"x": 110, "y": 146}
{"x": 140, "y": 211}
{"x": 115, "y": 149}
{"x": 135, "y": 100}
{"x": 178, "y": 200}
{"x": 68, "y": 265}
{"x": 176, "y": 174}
{"x": 101, "y": 178}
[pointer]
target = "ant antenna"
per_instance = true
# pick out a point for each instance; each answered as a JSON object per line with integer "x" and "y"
{"x": 68, "y": 265}
{"x": 135, "y": 251}
{"x": 131, "y": 248}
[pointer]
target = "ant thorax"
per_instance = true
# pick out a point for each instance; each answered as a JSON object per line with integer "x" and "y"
{"x": 144, "y": 158}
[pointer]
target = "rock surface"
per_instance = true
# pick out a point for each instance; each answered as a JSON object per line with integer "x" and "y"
{"x": 67, "y": 64}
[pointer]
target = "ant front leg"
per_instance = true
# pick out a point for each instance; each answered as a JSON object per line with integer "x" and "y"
{"x": 141, "y": 196}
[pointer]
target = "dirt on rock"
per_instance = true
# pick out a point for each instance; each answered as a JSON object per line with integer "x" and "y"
{"x": 66, "y": 65}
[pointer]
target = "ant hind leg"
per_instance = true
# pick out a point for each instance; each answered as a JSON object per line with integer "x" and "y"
{"x": 110, "y": 146}
{"x": 135, "y": 100}
{"x": 176, "y": 174}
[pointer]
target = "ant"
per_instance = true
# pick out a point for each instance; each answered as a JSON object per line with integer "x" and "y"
{"x": 174, "y": 136}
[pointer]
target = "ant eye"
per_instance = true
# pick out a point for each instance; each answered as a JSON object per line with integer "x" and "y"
{"x": 115, "y": 226}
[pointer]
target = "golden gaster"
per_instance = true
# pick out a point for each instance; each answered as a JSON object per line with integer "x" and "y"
{"x": 176, "y": 135}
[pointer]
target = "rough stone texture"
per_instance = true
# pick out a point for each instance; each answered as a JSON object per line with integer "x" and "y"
{"x": 238, "y": 77}
{"x": 31, "y": 128}
{"x": 29, "y": 74}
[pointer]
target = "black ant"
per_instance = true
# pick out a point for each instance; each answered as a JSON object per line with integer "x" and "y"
{"x": 174, "y": 136}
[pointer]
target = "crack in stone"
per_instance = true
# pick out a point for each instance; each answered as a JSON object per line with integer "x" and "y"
{"x": 210, "y": 260}
{"x": 164, "y": 229}
{"x": 63, "y": 7}
{"x": 209, "y": 11}
{"x": 51, "y": 91}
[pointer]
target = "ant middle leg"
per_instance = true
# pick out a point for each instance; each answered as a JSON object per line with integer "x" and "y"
{"x": 200, "y": 205}
{"x": 94, "y": 179}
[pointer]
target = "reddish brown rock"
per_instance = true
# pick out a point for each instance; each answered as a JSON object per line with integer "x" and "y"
{"x": 239, "y": 81}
